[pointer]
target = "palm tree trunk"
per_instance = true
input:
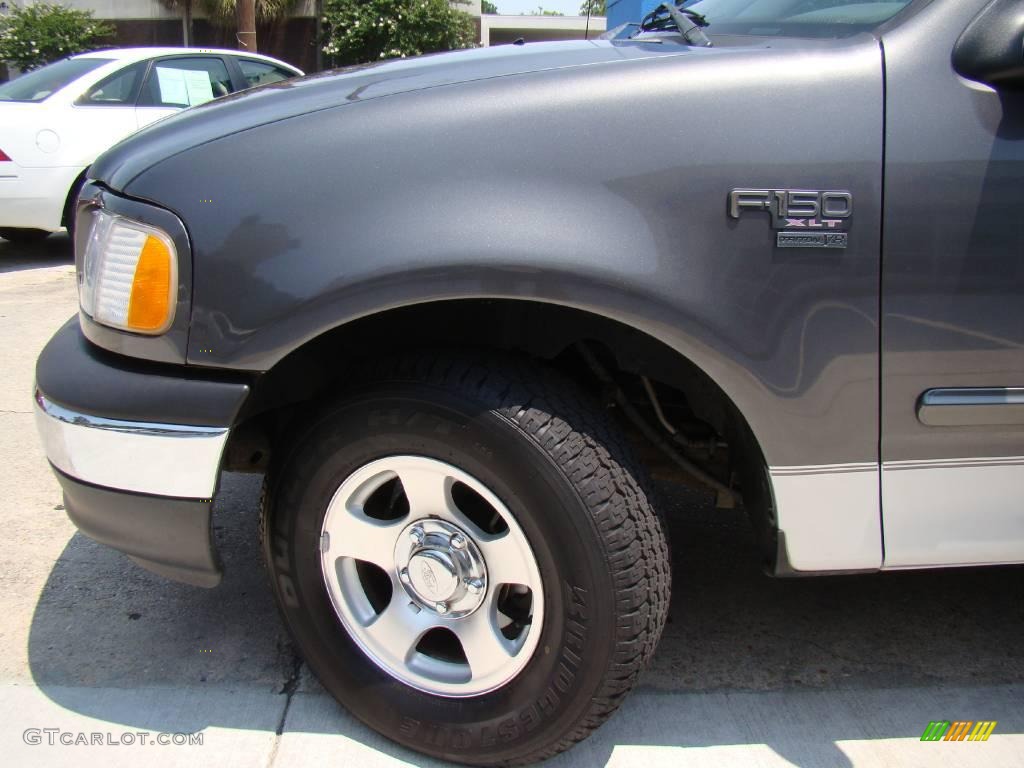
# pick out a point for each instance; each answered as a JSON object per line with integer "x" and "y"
{"x": 186, "y": 24}
{"x": 319, "y": 11}
{"x": 247, "y": 25}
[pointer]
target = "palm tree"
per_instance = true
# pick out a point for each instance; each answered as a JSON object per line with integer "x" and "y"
{"x": 224, "y": 12}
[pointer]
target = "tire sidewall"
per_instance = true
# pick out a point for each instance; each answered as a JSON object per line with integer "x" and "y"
{"x": 574, "y": 653}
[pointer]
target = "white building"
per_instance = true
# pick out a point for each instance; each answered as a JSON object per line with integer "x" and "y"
{"x": 500, "y": 29}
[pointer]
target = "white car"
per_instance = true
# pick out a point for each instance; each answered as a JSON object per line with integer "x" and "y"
{"x": 56, "y": 120}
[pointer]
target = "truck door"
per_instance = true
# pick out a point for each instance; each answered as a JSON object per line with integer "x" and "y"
{"x": 952, "y": 297}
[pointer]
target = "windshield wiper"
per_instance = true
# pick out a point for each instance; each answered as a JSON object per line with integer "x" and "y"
{"x": 688, "y": 23}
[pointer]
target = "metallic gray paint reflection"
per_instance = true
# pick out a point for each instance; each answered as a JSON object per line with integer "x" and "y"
{"x": 953, "y": 270}
{"x": 536, "y": 186}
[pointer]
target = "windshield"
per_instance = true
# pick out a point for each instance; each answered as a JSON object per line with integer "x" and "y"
{"x": 42, "y": 83}
{"x": 795, "y": 18}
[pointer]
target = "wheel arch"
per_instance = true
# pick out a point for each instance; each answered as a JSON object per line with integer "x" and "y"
{"x": 541, "y": 330}
{"x": 68, "y": 211}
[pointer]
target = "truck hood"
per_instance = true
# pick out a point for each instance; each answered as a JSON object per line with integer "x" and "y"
{"x": 279, "y": 101}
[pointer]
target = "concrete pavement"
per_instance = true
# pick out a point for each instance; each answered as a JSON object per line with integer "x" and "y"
{"x": 837, "y": 671}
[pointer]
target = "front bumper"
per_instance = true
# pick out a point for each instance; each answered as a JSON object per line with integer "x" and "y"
{"x": 174, "y": 460}
{"x": 137, "y": 449}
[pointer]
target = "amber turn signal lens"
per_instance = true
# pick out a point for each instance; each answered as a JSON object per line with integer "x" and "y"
{"x": 149, "y": 308}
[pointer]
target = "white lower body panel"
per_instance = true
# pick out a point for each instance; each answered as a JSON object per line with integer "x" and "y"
{"x": 34, "y": 198}
{"x": 829, "y": 515}
{"x": 953, "y": 512}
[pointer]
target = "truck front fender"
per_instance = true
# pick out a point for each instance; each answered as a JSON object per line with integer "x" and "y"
{"x": 601, "y": 187}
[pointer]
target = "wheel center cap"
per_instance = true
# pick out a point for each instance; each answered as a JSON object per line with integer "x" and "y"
{"x": 433, "y": 575}
{"x": 441, "y": 568}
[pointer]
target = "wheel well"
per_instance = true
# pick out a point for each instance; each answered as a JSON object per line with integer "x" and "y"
{"x": 69, "y": 201}
{"x": 713, "y": 434}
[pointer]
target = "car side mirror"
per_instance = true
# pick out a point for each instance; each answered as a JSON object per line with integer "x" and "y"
{"x": 991, "y": 49}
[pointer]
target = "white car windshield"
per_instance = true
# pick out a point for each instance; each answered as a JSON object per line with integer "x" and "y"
{"x": 40, "y": 84}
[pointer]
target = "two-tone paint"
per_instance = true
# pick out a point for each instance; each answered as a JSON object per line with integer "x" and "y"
{"x": 473, "y": 175}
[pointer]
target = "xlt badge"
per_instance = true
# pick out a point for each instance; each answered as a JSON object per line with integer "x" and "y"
{"x": 803, "y": 211}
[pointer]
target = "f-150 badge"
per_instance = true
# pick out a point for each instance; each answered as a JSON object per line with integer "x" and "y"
{"x": 805, "y": 218}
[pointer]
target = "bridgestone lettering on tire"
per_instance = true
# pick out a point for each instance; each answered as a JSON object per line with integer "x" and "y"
{"x": 463, "y": 554}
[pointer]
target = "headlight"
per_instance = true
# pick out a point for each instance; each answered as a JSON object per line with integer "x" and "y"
{"x": 129, "y": 275}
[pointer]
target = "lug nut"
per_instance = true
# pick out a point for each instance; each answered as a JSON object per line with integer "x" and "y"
{"x": 457, "y": 541}
{"x": 404, "y": 575}
{"x": 475, "y": 585}
{"x": 416, "y": 534}
{"x": 441, "y": 607}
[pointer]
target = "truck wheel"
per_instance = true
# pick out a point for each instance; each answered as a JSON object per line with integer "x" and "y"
{"x": 466, "y": 560}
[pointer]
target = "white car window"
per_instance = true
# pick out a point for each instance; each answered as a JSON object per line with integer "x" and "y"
{"x": 183, "y": 87}
{"x": 118, "y": 89}
{"x": 40, "y": 84}
{"x": 185, "y": 82}
{"x": 261, "y": 73}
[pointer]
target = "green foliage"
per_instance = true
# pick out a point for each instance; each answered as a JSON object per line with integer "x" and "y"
{"x": 225, "y": 12}
{"x": 34, "y": 35}
{"x": 542, "y": 12}
{"x": 593, "y": 8}
{"x": 360, "y": 31}
{"x": 486, "y": 6}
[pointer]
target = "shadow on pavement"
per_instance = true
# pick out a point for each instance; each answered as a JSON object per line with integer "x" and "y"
{"x": 799, "y": 665}
{"x": 51, "y": 252}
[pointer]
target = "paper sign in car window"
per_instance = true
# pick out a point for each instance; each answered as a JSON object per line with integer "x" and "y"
{"x": 172, "y": 86}
{"x": 184, "y": 87}
{"x": 198, "y": 85}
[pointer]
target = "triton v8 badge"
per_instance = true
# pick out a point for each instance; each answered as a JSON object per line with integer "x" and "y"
{"x": 805, "y": 218}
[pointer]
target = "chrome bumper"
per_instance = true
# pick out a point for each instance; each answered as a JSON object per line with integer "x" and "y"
{"x": 171, "y": 460}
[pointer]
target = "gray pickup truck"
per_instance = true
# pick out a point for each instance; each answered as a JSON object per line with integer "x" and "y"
{"x": 454, "y": 308}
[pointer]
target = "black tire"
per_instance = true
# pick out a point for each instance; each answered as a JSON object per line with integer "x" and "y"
{"x": 564, "y": 474}
{"x": 23, "y": 236}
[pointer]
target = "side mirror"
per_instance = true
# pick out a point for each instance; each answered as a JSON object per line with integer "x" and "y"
{"x": 991, "y": 49}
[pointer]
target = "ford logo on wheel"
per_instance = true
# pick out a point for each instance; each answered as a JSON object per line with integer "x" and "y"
{"x": 429, "y": 579}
